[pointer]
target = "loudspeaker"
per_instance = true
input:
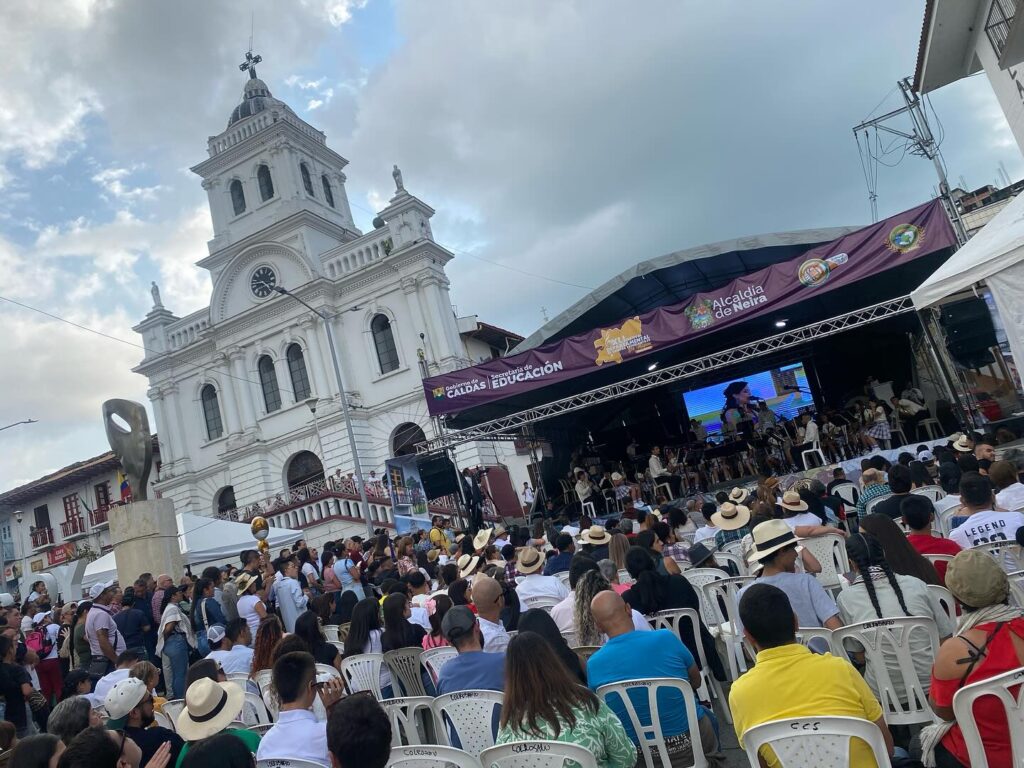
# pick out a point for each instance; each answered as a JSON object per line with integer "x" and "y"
{"x": 438, "y": 476}
{"x": 970, "y": 334}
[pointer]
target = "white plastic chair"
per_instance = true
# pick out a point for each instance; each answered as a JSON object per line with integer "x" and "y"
{"x": 434, "y": 659}
{"x": 241, "y": 679}
{"x": 329, "y": 670}
{"x": 672, "y": 619}
{"x": 848, "y": 492}
{"x": 585, "y": 505}
{"x": 818, "y": 639}
{"x": 254, "y": 711}
{"x": 331, "y": 632}
{"x": 404, "y": 664}
{"x": 262, "y": 679}
{"x": 724, "y": 557}
{"x": 932, "y": 426}
{"x": 870, "y": 506}
{"x": 563, "y": 576}
{"x": 732, "y": 548}
{"x": 933, "y": 492}
{"x": 404, "y": 715}
{"x": 945, "y": 519}
{"x": 173, "y": 708}
{"x": 698, "y": 577}
{"x": 945, "y": 598}
{"x": 1013, "y": 706}
{"x": 261, "y": 729}
{"x": 666, "y": 489}
{"x": 164, "y": 721}
{"x": 542, "y": 601}
{"x": 431, "y": 757}
{"x": 362, "y": 673}
{"x": 725, "y": 592}
{"x": 1006, "y": 553}
{"x": 469, "y": 717}
{"x": 830, "y": 551}
{"x": 339, "y": 645}
{"x": 649, "y": 733}
{"x": 933, "y": 559}
{"x": 286, "y": 762}
{"x": 883, "y": 641}
{"x": 813, "y": 742}
{"x": 815, "y": 451}
{"x": 538, "y": 754}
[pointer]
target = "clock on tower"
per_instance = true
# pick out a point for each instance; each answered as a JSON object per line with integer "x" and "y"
{"x": 262, "y": 282}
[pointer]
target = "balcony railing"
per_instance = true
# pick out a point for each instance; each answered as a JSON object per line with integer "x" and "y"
{"x": 1000, "y": 19}
{"x": 73, "y": 527}
{"x": 98, "y": 516}
{"x": 42, "y": 537}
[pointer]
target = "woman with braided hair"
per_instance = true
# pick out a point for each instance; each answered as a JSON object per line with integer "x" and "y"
{"x": 878, "y": 593}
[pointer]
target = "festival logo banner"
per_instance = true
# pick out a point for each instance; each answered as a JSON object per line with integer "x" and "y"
{"x": 856, "y": 256}
{"x": 408, "y": 500}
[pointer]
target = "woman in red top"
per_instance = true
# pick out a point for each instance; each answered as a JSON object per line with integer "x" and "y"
{"x": 989, "y": 641}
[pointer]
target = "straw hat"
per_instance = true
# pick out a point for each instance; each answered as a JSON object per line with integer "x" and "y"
{"x": 616, "y": 477}
{"x": 210, "y": 707}
{"x": 731, "y": 517}
{"x": 963, "y": 444}
{"x": 791, "y": 500}
{"x": 769, "y": 537}
{"x": 244, "y": 581}
{"x": 482, "y": 538}
{"x": 467, "y": 564}
{"x": 739, "y": 495}
{"x": 530, "y": 561}
{"x": 595, "y": 534}
{"x": 432, "y": 555}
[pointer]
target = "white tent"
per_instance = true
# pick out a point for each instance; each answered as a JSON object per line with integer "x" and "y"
{"x": 202, "y": 540}
{"x": 996, "y": 255}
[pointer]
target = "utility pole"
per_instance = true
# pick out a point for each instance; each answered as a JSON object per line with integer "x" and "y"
{"x": 920, "y": 141}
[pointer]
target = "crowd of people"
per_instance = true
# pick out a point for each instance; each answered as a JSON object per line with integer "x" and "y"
{"x": 156, "y": 673}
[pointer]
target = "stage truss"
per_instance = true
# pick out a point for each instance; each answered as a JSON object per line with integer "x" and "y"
{"x": 498, "y": 429}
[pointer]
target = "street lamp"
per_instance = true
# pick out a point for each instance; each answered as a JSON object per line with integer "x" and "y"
{"x": 25, "y": 421}
{"x": 344, "y": 405}
{"x": 311, "y": 404}
{"x": 18, "y": 517}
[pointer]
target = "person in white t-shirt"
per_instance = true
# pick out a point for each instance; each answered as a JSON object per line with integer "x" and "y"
{"x": 983, "y": 525}
{"x": 1010, "y": 491}
{"x": 230, "y": 646}
{"x": 531, "y": 583}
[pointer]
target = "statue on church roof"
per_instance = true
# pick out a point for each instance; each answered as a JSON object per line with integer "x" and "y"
{"x": 155, "y": 290}
{"x": 399, "y": 184}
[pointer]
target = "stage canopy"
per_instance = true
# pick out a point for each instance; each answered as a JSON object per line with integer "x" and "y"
{"x": 802, "y": 284}
{"x": 995, "y": 255}
{"x": 202, "y": 540}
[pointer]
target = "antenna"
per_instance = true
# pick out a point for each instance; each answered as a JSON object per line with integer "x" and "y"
{"x": 252, "y": 27}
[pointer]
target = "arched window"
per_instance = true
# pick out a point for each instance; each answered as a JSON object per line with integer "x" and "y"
{"x": 328, "y": 194}
{"x": 266, "y": 183}
{"x": 237, "y": 197}
{"x": 405, "y": 438}
{"x": 268, "y": 381}
{"x": 304, "y": 468}
{"x": 297, "y": 371}
{"x": 307, "y": 182}
{"x": 211, "y": 412}
{"x": 384, "y": 341}
{"x": 226, "y": 499}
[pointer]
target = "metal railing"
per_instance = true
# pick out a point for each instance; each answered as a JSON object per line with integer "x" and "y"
{"x": 42, "y": 537}
{"x": 73, "y": 526}
{"x": 98, "y": 516}
{"x": 1001, "y": 15}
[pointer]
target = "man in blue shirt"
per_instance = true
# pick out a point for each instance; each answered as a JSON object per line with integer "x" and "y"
{"x": 560, "y": 562}
{"x": 472, "y": 669}
{"x": 632, "y": 655}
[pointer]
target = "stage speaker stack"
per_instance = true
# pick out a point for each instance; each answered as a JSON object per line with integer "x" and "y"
{"x": 437, "y": 473}
{"x": 970, "y": 334}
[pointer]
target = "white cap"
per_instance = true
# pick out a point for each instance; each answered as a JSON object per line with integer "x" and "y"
{"x": 40, "y": 617}
{"x": 99, "y": 588}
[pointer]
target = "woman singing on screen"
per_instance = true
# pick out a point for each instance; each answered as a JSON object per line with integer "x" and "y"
{"x": 738, "y": 416}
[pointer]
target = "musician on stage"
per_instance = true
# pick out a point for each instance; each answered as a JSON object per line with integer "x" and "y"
{"x": 738, "y": 412}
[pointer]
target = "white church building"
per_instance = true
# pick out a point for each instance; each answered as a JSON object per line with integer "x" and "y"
{"x": 234, "y": 385}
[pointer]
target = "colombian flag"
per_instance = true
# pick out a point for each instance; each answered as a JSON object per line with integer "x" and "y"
{"x": 126, "y": 490}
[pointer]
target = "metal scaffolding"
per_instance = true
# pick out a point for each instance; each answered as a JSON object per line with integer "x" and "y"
{"x": 497, "y": 428}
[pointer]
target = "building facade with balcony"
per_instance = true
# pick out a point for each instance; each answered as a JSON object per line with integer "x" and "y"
{"x": 963, "y": 37}
{"x": 244, "y": 391}
{"x": 63, "y": 523}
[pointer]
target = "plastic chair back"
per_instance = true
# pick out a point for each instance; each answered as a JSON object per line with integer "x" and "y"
{"x": 404, "y": 664}
{"x": 404, "y": 714}
{"x": 1007, "y": 689}
{"x": 673, "y": 620}
{"x": 933, "y": 492}
{"x": 723, "y": 558}
{"x": 732, "y": 547}
{"x": 830, "y": 550}
{"x": 327, "y": 669}
{"x": 164, "y": 721}
{"x": 262, "y": 679}
{"x": 331, "y": 633}
{"x": 173, "y": 708}
{"x": 812, "y": 742}
{"x": 563, "y": 576}
{"x": 870, "y": 506}
{"x": 723, "y": 597}
{"x": 698, "y": 577}
{"x": 431, "y": 757}
{"x": 945, "y": 519}
{"x": 1006, "y": 553}
{"x": 286, "y": 762}
{"x": 542, "y": 601}
{"x": 882, "y": 640}
{"x": 649, "y": 734}
{"x": 849, "y": 493}
{"x": 945, "y": 598}
{"x": 254, "y": 711}
{"x": 933, "y": 559}
{"x": 261, "y": 729}
{"x": 585, "y": 651}
{"x": 433, "y": 660}
{"x": 538, "y": 754}
{"x": 362, "y": 673}
{"x": 469, "y": 717}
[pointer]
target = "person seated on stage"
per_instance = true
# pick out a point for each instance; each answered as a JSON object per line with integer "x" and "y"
{"x": 624, "y": 490}
{"x": 659, "y": 474}
{"x": 587, "y": 492}
{"x": 697, "y": 433}
{"x": 807, "y": 437}
{"x": 910, "y": 415}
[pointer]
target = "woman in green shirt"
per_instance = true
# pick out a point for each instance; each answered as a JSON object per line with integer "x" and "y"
{"x": 542, "y": 701}
{"x": 81, "y": 655}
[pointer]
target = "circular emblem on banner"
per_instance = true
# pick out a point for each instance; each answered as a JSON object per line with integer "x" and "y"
{"x": 813, "y": 272}
{"x": 905, "y": 237}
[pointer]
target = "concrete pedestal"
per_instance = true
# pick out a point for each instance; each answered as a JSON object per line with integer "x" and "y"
{"x": 145, "y": 539}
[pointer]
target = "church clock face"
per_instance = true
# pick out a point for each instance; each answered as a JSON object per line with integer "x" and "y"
{"x": 262, "y": 282}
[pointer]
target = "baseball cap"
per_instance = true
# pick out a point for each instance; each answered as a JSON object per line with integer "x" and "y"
{"x": 457, "y": 622}
{"x": 99, "y": 588}
{"x": 122, "y": 699}
{"x": 40, "y": 617}
{"x": 976, "y": 579}
{"x": 215, "y": 633}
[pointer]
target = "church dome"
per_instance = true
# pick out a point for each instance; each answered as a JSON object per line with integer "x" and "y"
{"x": 256, "y": 97}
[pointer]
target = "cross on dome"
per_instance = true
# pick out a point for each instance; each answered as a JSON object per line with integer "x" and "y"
{"x": 250, "y": 63}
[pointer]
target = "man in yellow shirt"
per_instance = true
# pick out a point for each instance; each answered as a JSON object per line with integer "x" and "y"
{"x": 438, "y": 536}
{"x": 789, "y": 681}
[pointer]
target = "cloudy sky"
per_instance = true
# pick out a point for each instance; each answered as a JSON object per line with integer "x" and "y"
{"x": 560, "y": 142}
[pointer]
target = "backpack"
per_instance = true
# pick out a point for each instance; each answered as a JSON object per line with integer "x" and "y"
{"x": 39, "y": 641}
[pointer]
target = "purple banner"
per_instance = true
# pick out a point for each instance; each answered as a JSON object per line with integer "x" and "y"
{"x": 856, "y": 256}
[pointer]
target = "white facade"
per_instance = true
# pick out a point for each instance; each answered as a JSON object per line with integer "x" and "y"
{"x": 386, "y": 292}
{"x": 962, "y": 37}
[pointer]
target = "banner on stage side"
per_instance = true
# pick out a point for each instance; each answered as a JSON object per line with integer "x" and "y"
{"x": 406, "y": 489}
{"x": 853, "y": 257}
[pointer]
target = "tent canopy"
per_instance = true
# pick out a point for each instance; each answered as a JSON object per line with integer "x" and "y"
{"x": 202, "y": 540}
{"x": 996, "y": 247}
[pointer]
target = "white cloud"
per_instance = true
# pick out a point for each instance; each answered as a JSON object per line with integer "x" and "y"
{"x": 335, "y": 12}
{"x": 112, "y": 182}
{"x": 314, "y": 103}
{"x": 305, "y": 85}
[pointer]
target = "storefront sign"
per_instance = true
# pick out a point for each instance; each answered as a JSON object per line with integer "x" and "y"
{"x": 37, "y": 566}
{"x": 857, "y": 256}
{"x": 60, "y": 555}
